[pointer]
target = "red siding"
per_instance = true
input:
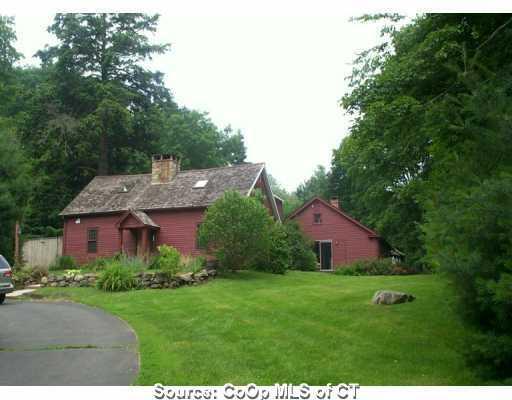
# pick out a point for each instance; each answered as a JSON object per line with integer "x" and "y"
{"x": 349, "y": 241}
{"x": 75, "y": 236}
{"x": 177, "y": 228}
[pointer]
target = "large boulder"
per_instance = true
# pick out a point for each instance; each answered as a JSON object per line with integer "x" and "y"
{"x": 389, "y": 297}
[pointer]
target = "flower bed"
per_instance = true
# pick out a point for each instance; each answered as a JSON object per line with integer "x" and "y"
{"x": 146, "y": 279}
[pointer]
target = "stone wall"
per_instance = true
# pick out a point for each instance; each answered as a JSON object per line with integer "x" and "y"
{"x": 147, "y": 279}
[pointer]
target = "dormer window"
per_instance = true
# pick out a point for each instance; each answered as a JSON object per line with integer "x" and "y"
{"x": 317, "y": 218}
{"x": 200, "y": 184}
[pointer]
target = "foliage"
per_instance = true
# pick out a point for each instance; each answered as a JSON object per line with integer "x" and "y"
{"x": 8, "y": 53}
{"x": 199, "y": 142}
{"x": 490, "y": 355}
{"x": 92, "y": 108}
{"x": 302, "y": 257}
{"x": 428, "y": 161}
{"x": 20, "y": 276}
{"x": 116, "y": 278}
{"x": 192, "y": 264}
{"x": 62, "y": 263}
{"x": 316, "y": 319}
{"x": 236, "y": 230}
{"x": 379, "y": 266}
{"x": 277, "y": 257}
{"x": 14, "y": 187}
{"x": 290, "y": 200}
{"x": 167, "y": 260}
{"x": 316, "y": 185}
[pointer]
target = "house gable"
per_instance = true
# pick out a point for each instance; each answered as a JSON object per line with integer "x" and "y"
{"x": 324, "y": 205}
{"x": 349, "y": 239}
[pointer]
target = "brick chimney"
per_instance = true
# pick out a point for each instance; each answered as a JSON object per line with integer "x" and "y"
{"x": 164, "y": 168}
{"x": 335, "y": 202}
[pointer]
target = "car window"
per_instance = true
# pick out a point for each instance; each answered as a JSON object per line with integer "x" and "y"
{"x": 3, "y": 263}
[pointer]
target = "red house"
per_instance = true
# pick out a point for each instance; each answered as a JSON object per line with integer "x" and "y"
{"x": 133, "y": 214}
{"x": 339, "y": 239}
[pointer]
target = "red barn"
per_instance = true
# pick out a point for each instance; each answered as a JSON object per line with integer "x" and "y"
{"x": 133, "y": 214}
{"x": 339, "y": 239}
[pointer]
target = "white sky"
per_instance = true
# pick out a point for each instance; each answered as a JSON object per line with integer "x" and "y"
{"x": 277, "y": 79}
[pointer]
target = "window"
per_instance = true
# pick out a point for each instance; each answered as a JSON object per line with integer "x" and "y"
{"x": 200, "y": 184}
{"x": 92, "y": 240}
{"x": 317, "y": 218}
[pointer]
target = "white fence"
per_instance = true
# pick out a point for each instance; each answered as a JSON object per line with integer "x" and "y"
{"x": 42, "y": 251}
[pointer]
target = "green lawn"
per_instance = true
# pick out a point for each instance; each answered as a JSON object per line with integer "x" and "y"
{"x": 301, "y": 327}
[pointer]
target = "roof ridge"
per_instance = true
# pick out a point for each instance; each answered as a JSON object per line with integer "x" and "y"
{"x": 182, "y": 171}
{"x": 223, "y": 167}
{"x": 118, "y": 175}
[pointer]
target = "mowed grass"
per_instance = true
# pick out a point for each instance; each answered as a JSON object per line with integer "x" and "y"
{"x": 301, "y": 327}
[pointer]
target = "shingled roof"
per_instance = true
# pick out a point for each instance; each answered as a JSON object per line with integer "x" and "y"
{"x": 135, "y": 192}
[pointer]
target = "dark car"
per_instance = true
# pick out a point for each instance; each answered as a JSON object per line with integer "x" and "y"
{"x": 6, "y": 285}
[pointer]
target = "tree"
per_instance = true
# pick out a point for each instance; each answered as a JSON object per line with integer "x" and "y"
{"x": 316, "y": 185}
{"x": 98, "y": 59}
{"x": 290, "y": 200}
{"x": 236, "y": 229}
{"x": 200, "y": 143}
{"x": 428, "y": 161}
{"x": 14, "y": 187}
{"x": 8, "y": 53}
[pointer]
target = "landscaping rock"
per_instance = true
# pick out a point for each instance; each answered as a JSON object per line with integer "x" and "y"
{"x": 201, "y": 275}
{"x": 44, "y": 280}
{"x": 186, "y": 277}
{"x": 211, "y": 272}
{"x": 78, "y": 278}
{"x": 389, "y": 297}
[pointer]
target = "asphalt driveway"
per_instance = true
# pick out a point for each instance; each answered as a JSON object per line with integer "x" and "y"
{"x": 62, "y": 343}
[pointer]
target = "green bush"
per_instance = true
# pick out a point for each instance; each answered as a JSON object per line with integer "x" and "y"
{"x": 490, "y": 355}
{"x": 116, "y": 277}
{"x": 302, "y": 256}
{"x": 277, "y": 257}
{"x": 167, "y": 260}
{"x": 378, "y": 266}
{"x": 62, "y": 263}
{"x": 20, "y": 276}
{"x": 236, "y": 230}
{"x": 192, "y": 264}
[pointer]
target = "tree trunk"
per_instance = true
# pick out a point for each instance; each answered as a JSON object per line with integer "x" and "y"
{"x": 17, "y": 258}
{"x": 103, "y": 161}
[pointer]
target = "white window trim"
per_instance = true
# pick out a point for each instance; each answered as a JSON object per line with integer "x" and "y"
{"x": 320, "y": 254}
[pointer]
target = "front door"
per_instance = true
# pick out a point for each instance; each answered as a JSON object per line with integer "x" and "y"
{"x": 325, "y": 256}
{"x": 323, "y": 251}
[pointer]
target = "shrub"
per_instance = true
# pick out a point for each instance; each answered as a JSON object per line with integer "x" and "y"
{"x": 168, "y": 260}
{"x": 302, "y": 256}
{"x": 101, "y": 263}
{"x": 277, "y": 257}
{"x": 20, "y": 276}
{"x": 236, "y": 230}
{"x": 192, "y": 264}
{"x": 116, "y": 277}
{"x": 62, "y": 263}
{"x": 490, "y": 355}
{"x": 379, "y": 266}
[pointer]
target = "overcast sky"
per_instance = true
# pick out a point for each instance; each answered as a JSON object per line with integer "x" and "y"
{"x": 277, "y": 79}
